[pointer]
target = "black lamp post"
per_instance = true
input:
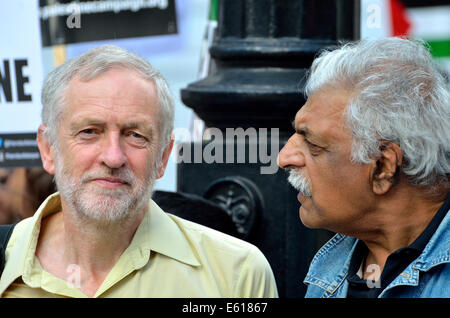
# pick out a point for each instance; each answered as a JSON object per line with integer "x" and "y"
{"x": 262, "y": 52}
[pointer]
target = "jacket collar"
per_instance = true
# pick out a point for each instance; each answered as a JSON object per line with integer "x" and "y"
{"x": 330, "y": 266}
{"x": 437, "y": 251}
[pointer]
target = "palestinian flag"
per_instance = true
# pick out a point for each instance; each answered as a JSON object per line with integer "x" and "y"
{"x": 428, "y": 20}
{"x": 432, "y": 24}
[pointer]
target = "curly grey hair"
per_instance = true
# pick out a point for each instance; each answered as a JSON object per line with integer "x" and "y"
{"x": 401, "y": 97}
{"x": 92, "y": 64}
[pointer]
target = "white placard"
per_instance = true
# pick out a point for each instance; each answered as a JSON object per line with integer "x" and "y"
{"x": 20, "y": 55}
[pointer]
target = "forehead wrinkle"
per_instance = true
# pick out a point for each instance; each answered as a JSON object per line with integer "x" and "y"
{"x": 107, "y": 90}
{"x": 116, "y": 105}
{"x": 325, "y": 130}
{"x": 301, "y": 125}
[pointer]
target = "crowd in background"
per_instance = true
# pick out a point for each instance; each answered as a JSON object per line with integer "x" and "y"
{"x": 22, "y": 190}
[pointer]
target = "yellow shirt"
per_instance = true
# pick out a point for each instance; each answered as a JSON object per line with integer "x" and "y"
{"x": 168, "y": 257}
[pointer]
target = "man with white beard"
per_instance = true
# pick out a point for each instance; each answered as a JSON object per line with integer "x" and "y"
{"x": 106, "y": 135}
{"x": 370, "y": 159}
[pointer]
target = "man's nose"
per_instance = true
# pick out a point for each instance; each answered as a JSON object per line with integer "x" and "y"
{"x": 113, "y": 154}
{"x": 291, "y": 156}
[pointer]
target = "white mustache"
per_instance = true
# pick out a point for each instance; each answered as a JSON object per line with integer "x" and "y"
{"x": 299, "y": 182}
{"x": 125, "y": 175}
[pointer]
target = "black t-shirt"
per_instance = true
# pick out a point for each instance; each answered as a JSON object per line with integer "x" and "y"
{"x": 395, "y": 263}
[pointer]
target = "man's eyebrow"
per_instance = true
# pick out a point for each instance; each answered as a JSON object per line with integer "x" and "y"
{"x": 85, "y": 122}
{"x": 135, "y": 124}
{"x": 96, "y": 122}
{"x": 304, "y": 131}
{"x": 146, "y": 128}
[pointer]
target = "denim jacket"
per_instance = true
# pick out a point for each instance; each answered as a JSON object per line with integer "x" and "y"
{"x": 428, "y": 276}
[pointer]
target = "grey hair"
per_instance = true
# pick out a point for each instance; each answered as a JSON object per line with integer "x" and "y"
{"x": 92, "y": 64}
{"x": 400, "y": 97}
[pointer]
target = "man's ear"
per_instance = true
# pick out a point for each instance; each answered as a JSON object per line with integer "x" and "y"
{"x": 386, "y": 168}
{"x": 165, "y": 158}
{"x": 46, "y": 150}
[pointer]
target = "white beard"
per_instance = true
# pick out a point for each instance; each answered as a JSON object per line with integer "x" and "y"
{"x": 300, "y": 182}
{"x": 90, "y": 201}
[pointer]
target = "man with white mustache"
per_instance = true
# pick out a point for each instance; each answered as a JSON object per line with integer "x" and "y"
{"x": 299, "y": 182}
{"x": 106, "y": 135}
{"x": 370, "y": 159}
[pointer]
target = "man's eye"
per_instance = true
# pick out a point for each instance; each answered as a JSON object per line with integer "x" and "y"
{"x": 136, "y": 135}
{"x": 309, "y": 143}
{"x": 136, "y": 138}
{"x": 3, "y": 179}
{"x": 87, "y": 133}
{"x": 315, "y": 150}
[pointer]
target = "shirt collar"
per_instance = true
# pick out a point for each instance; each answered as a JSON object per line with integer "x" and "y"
{"x": 22, "y": 246}
{"x": 158, "y": 232}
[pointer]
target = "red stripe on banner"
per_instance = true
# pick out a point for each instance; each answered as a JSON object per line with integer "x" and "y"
{"x": 400, "y": 20}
